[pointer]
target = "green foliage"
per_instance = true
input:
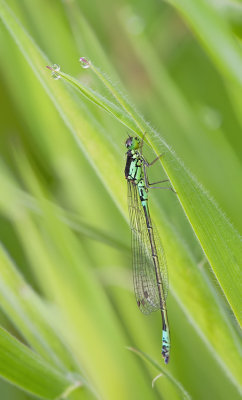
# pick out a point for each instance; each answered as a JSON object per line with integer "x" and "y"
{"x": 26, "y": 369}
{"x": 65, "y": 265}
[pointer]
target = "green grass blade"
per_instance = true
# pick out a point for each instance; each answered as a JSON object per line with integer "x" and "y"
{"x": 218, "y": 40}
{"x": 220, "y": 241}
{"x": 27, "y": 312}
{"x": 18, "y": 300}
{"x": 187, "y": 282}
{"x": 24, "y": 368}
{"x": 191, "y": 138}
{"x": 232, "y": 12}
{"x": 159, "y": 368}
{"x": 215, "y": 36}
{"x": 94, "y": 143}
{"x": 78, "y": 291}
{"x": 121, "y": 115}
{"x": 122, "y": 101}
{"x": 186, "y": 278}
{"x": 74, "y": 221}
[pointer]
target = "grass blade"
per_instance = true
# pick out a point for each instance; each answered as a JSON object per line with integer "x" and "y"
{"x": 187, "y": 281}
{"x": 27, "y": 370}
{"x": 221, "y": 243}
{"x": 27, "y": 312}
{"x": 168, "y": 375}
{"x": 215, "y": 35}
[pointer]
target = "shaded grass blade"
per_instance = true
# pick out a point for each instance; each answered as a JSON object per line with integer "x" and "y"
{"x": 185, "y": 395}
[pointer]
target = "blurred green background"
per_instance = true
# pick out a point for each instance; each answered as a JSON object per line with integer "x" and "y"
{"x": 65, "y": 263}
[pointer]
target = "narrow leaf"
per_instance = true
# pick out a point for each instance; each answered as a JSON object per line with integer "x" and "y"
{"x": 221, "y": 243}
{"x": 164, "y": 371}
{"x": 25, "y": 369}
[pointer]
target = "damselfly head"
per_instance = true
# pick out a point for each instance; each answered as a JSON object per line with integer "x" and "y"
{"x": 132, "y": 143}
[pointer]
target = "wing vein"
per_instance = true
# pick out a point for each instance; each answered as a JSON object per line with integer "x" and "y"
{"x": 144, "y": 275}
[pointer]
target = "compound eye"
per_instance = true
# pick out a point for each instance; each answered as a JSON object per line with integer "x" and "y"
{"x": 129, "y": 141}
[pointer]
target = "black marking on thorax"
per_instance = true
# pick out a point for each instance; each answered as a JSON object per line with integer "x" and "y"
{"x": 132, "y": 156}
{"x": 128, "y": 163}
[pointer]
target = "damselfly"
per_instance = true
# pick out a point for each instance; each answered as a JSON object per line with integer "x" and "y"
{"x": 149, "y": 262}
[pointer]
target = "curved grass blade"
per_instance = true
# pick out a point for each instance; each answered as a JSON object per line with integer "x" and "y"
{"x": 27, "y": 312}
{"x": 97, "y": 99}
{"x": 221, "y": 246}
{"x": 26, "y": 369}
{"x": 202, "y": 211}
{"x": 74, "y": 221}
{"x": 185, "y": 395}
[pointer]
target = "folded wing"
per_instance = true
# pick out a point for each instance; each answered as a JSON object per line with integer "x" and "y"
{"x": 144, "y": 273}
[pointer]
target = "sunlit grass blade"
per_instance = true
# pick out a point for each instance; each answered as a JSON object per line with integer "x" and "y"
{"x": 24, "y": 368}
{"x": 27, "y": 312}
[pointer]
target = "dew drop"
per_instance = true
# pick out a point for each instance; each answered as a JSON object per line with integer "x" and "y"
{"x": 55, "y": 76}
{"x": 84, "y": 62}
{"x": 56, "y": 68}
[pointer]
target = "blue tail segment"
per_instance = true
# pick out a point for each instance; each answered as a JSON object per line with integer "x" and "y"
{"x": 165, "y": 346}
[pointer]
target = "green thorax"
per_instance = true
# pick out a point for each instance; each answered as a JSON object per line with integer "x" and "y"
{"x": 134, "y": 172}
